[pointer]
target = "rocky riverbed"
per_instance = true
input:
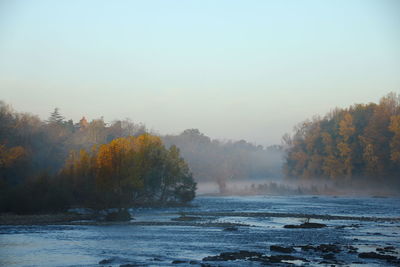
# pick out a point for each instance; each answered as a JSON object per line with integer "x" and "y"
{"x": 220, "y": 231}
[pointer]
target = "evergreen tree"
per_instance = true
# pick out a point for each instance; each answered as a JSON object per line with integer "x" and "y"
{"x": 56, "y": 117}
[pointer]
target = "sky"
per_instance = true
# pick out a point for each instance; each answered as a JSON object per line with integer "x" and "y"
{"x": 233, "y": 69}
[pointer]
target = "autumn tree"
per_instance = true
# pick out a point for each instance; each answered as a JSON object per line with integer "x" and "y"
{"x": 395, "y": 142}
{"x": 346, "y": 132}
{"x": 360, "y": 142}
{"x": 130, "y": 170}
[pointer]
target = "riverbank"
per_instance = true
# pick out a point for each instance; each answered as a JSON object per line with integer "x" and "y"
{"x": 43, "y": 219}
{"x": 77, "y": 219}
{"x": 80, "y": 215}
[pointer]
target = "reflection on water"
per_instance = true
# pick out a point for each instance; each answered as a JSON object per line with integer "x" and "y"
{"x": 159, "y": 245}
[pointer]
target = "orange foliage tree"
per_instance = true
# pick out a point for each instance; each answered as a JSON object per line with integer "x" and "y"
{"x": 128, "y": 171}
{"x": 362, "y": 141}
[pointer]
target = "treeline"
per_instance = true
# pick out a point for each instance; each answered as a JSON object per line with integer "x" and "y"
{"x": 42, "y": 146}
{"x": 360, "y": 143}
{"x": 222, "y": 162}
{"x": 38, "y": 171}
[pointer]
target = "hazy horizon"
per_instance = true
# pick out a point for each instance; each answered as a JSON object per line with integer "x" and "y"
{"x": 233, "y": 69}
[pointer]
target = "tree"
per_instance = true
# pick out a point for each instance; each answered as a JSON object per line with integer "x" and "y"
{"x": 346, "y": 131}
{"x": 131, "y": 170}
{"x": 395, "y": 142}
{"x": 83, "y": 123}
{"x": 96, "y": 131}
{"x": 56, "y": 117}
{"x": 362, "y": 141}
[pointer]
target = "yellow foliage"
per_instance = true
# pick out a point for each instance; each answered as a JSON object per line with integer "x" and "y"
{"x": 394, "y": 127}
{"x": 9, "y": 156}
{"x": 346, "y": 127}
{"x": 131, "y": 167}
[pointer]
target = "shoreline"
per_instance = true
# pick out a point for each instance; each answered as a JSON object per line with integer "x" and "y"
{"x": 93, "y": 219}
{"x": 43, "y": 219}
{"x": 76, "y": 218}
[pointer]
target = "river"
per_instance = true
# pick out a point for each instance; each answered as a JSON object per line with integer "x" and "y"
{"x": 156, "y": 238}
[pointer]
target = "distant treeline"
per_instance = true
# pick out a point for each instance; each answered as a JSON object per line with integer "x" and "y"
{"x": 42, "y": 146}
{"x": 55, "y": 164}
{"x": 34, "y": 155}
{"x": 360, "y": 143}
{"x": 274, "y": 188}
{"x": 222, "y": 162}
{"x": 36, "y": 147}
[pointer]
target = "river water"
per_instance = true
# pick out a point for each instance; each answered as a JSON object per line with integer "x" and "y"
{"x": 154, "y": 238}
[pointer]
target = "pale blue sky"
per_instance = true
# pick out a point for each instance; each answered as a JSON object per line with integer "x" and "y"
{"x": 234, "y": 69}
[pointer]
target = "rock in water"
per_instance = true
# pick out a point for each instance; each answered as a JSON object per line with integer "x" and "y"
{"x": 178, "y": 262}
{"x": 230, "y": 256}
{"x": 373, "y": 255}
{"x": 120, "y": 215}
{"x": 281, "y": 249}
{"x": 305, "y": 225}
{"x": 106, "y": 261}
{"x": 231, "y": 229}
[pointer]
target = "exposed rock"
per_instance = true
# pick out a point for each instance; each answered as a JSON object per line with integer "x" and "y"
{"x": 44, "y": 219}
{"x": 326, "y": 262}
{"x": 120, "y": 215}
{"x": 328, "y": 248}
{"x": 178, "y": 262}
{"x": 389, "y": 249}
{"x": 325, "y": 248}
{"x": 81, "y": 211}
{"x": 306, "y": 247}
{"x": 329, "y": 256}
{"x": 226, "y": 256}
{"x": 374, "y": 255}
{"x": 252, "y": 256}
{"x": 281, "y": 249}
{"x": 377, "y": 233}
{"x": 295, "y": 215}
{"x": 231, "y": 229}
{"x": 351, "y": 249}
{"x": 106, "y": 261}
{"x": 305, "y": 225}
